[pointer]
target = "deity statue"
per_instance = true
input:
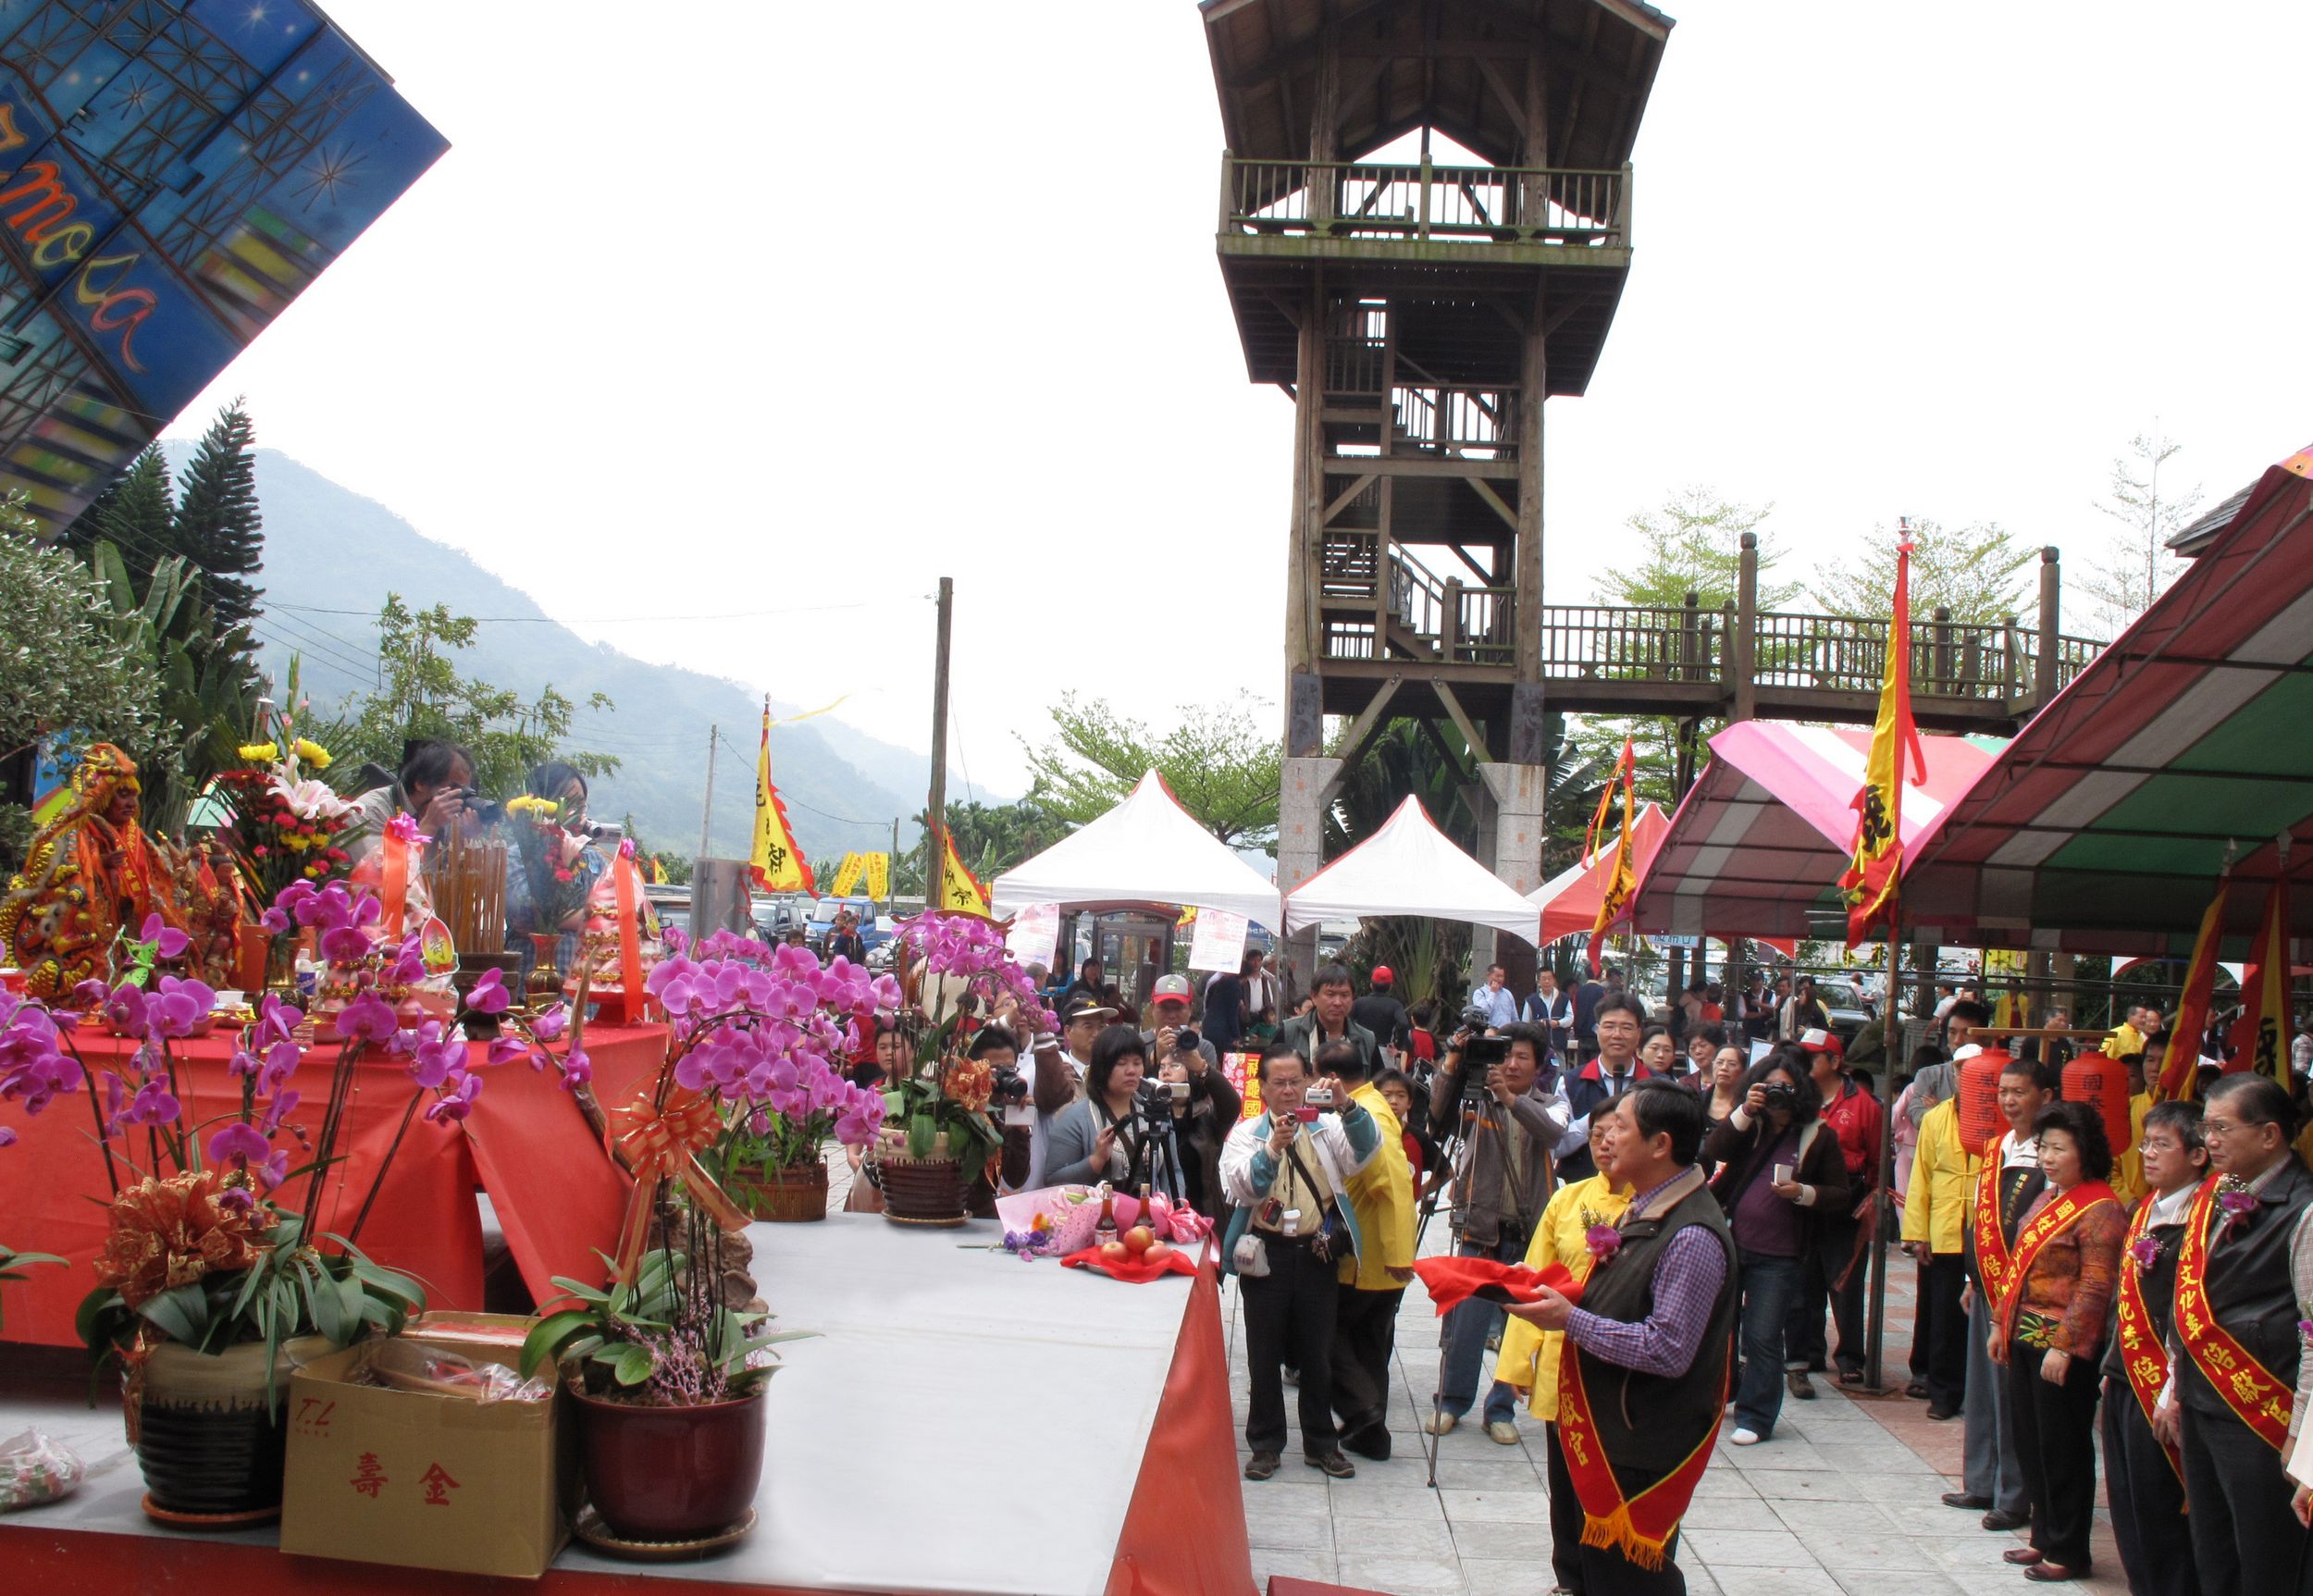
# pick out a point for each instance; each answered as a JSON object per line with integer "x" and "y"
{"x": 89, "y": 874}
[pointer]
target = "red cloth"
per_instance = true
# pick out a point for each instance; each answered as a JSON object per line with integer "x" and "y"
{"x": 557, "y": 1194}
{"x": 1133, "y": 1271}
{"x": 1451, "y": 1280}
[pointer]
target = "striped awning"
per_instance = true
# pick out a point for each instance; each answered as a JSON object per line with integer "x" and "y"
{"x": 1759, "y": 845}
{"x": 2108, "y": 820}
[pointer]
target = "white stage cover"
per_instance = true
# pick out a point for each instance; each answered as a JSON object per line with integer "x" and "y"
{"x": 1147, "y": 849}
{"x": 965, "y": 1422}
{"x": 1410, "y": 867}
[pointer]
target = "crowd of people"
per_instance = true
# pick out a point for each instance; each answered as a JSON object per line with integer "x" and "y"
{"x": 1717, "y": 1211}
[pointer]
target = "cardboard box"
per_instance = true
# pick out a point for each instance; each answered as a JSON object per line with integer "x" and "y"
{"x": 423, "y": 1480}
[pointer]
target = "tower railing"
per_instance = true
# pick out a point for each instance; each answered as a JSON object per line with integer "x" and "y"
{"x": 1569, "y": 207}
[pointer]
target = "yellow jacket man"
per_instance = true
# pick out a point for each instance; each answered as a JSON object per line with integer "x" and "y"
{"x": 1365, "y": 1327}
{"x": 1936, "y": 1216}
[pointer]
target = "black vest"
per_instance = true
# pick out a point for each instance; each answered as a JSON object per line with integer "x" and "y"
{"x": 1650, "y": 1423}
{"x": 2250, "y": 1289}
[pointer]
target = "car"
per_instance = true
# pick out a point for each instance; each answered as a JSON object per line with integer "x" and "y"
{"x": 820, "y": 923}
{"x": 1843, "y": 1004}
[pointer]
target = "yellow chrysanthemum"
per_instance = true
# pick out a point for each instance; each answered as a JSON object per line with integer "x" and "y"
{"x": 313, "y": 753}
{"x": 527, "y": 804}
{"x": 260, "y": 753}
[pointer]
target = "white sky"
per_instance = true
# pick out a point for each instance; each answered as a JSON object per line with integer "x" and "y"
{"x": 798, "y": 308}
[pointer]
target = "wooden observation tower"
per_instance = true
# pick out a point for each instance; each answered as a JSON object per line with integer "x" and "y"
{"x": 1419, "y": 314}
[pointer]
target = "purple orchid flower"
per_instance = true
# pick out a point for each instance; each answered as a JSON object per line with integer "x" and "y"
{"x": 275, "y": 923}
{"x": 550, "y": 1026}
{"x": 166, "y": 940}
{"x": 238, "y": 1141}
{"x": 280, "y": 1062}
{"x": 276, "y": 1021}
{"x": 456, "y": 1102}
{"x": 490, "y": 995}
{"x": 504, "y": 1050}
{"x": 179, "y": 1006}
{"x": 274, "y": 1170}
{"x": 441, "y": 1052}
{"x": 577, "y": 1071}
{"x": 1604, "y": 1241}
{"x": 153, "y": 1104}
{"x": 125, "y": 1008}
{"x": 2145, "y": 1251}
{"x": 367, "y": 1019}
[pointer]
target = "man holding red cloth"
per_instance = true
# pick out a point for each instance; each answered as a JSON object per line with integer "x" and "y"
{"x": 1639, "y": 1400}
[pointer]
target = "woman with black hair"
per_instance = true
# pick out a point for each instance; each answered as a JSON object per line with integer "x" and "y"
{"x": 2048, "y": 1329}
{"x": 1779, "y": 1167}
{"x": 1103, "y": 1136}
{"x": 435, "y": 785}
{"x": 1658, "y": 1050}
{"x": 561, "y": 784}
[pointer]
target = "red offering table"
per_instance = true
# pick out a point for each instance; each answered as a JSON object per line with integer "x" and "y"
{"x": 558, "y": 1196}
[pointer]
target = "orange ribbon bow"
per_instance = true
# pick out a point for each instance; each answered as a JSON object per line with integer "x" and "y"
{"x": 661, "y": 1143}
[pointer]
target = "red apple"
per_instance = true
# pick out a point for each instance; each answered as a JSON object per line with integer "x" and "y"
{"x": 1113, "y": 1252}
{"x": 1157, "y": 1254}
{"x": 1139, "y": 1239}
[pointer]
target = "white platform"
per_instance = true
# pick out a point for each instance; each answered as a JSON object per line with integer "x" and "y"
{"x": 964, "y": 1422}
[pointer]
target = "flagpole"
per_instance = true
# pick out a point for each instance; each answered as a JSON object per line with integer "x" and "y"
{"x": 934, "y": 852}
{"x": 1876, "y": 1315}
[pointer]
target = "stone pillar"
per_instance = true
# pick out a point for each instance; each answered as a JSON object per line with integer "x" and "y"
{"x": 1510, "y": 844}
{"x": 1301, "y": 853}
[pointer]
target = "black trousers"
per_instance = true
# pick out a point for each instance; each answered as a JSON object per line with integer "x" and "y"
{"x": 1566, "y": 1516}
{"x": 1803, "y": 1342}
{"x": 1364, "y": 1335}
{"x": 2056, "y": 1445}
{"x": 1289, "y": 1321}
{"x": 1600, "y": 1570}
{"x": 1944, "y": 1326}
{"x": 1917, "y": 1364}
{"x": 2245, "y": 1537}
{"x": 2148, "y": 1500}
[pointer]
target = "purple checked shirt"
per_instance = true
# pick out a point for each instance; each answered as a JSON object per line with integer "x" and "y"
{"x": 1687, "y": 1274}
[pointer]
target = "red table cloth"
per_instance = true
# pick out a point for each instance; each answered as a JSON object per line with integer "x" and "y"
{"x": 557, "y": 1193}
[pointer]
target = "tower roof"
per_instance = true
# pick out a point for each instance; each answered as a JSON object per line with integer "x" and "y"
{"x": 1443, "y": 64}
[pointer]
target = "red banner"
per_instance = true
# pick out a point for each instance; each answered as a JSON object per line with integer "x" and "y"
{"x": 1641, "y": 1526}
{"x": 2143, "y": 1353}
{"x": 2179, "y": 1066}
{"x": 1992, "y": 1259}
{"x": 2249, "y": 1388}
{"x": 2056, "y": 1218}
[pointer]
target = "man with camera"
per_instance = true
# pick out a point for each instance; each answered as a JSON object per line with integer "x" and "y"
{"x": 1488, "y": 1085}
{"x": 1331, "y": 994}
{"x": 1189, "y": 1093}
{"x": 1288, "y": 1172}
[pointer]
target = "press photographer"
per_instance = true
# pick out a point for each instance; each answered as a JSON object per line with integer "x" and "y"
{"x": 1506, "y": 1126}
{"x": 1112, "y": 1133}
{"x": 1202, "y": 1108}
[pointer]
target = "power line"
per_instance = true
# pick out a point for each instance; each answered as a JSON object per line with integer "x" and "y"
{"x": 609, "y": 619}
{"x": 798, "y": 803}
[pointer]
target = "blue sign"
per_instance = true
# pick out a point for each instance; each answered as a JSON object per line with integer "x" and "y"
{"x": 172, "y": 174}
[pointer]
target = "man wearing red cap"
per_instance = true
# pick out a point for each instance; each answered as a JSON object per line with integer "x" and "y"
{"x": 1836, "y": 1267}
{"x": 1380, "y": 1012}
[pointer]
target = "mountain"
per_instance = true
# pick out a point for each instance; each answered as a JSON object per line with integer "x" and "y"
{"x": 841, "y": 786}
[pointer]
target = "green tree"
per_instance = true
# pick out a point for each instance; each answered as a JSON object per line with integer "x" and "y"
{"x": 136, "y": 513}
{"x": 218, "y": 525}
{"x": 2138, "y": 565}
{"x": 1220, "y": 760}
{"x": 1690, "y": 545}
{"x": 66, "y": 669}
{"x": 420, "y": 694}
{"x": 1976, "y": 572}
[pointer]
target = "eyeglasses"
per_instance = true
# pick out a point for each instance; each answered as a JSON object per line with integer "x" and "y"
{"x": 2222, "y": 1128}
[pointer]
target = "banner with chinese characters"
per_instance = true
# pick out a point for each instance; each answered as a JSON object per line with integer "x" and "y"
{"x": 1219, "y": 940}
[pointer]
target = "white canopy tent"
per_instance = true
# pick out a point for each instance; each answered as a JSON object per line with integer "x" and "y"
{"x": 1409, "y": 867}
{"x": 1147, "y": 849}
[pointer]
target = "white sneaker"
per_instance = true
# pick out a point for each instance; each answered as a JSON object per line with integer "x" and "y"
{"x": 1746, "y": 1438}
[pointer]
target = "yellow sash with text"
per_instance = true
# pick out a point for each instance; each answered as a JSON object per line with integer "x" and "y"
{"x": 2249, "y": 1388}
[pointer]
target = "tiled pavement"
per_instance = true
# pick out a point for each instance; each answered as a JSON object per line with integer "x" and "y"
{"x": 1841, "y": 1502}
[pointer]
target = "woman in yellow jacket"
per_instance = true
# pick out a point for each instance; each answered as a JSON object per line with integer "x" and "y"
{"x": 1936, "y": 1216}
{"x": 1529, "y": 1355}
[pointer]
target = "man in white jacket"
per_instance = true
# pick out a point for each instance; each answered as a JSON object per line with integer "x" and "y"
{"x": 1287, "y": 1173}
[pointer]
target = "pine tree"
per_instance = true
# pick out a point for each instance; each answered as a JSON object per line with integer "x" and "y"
{"x": 134, "y": 515}
{"x": 218, "y": 524}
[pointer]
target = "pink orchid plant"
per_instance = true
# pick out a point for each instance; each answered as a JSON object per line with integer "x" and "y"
{"x": 764, "y": 1031}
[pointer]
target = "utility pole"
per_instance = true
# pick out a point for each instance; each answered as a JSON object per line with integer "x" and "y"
{"x": 891, "y": 874}
{"x": 935, "y": 851}
{"x": 707, "y": 821}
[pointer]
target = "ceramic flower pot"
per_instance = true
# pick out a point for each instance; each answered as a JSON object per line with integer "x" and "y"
{"x": 657, "y": 1474}
{"x": 209, "y": 1442}
{"x": 791, "y": 1195}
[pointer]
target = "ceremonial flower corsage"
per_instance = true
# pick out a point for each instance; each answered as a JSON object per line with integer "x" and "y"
{"x": 2236, "y": 1201}
{"x": 1604, "y": 1241}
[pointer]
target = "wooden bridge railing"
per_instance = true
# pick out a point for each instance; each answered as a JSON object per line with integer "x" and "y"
{"x": 1565, "y": 207}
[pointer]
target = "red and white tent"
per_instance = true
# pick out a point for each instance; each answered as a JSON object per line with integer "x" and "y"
{"x": 1762, "y": 838}
{"x": 1410, "y": 867}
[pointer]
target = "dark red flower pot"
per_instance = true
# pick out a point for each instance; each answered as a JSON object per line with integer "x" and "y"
{"x": 671, "y": 1473}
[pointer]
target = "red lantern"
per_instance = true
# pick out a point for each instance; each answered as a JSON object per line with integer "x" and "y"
{"x": 2102, "y": 1084}
{"x": 1980, "y": 1119}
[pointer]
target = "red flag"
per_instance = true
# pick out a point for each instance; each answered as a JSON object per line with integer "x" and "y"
{"x": 2179, "y": 1066}
{"x": 2259, "y": 1037}
{"x": 1869, "y": 885}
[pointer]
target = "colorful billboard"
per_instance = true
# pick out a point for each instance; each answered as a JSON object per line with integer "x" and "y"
{"x": 171, "y": 176}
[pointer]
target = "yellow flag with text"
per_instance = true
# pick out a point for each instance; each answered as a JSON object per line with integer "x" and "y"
{"x": 1876, "y": 863}
{"x": 960, "y": 889}
{"x": 847, "y": 874}
{"x": 776, "y": 864}
{"x": 879, "y": 877}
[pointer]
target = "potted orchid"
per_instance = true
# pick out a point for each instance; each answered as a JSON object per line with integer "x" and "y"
{"x": 940, "y": 1140}
{"x": 666, "y": 1358}
{"x": 231, "y": 1249}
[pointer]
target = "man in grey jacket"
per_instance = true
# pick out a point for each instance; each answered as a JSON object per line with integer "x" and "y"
{"x": 1502, "y": 1181}
{"x": 1330, "y": 995}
